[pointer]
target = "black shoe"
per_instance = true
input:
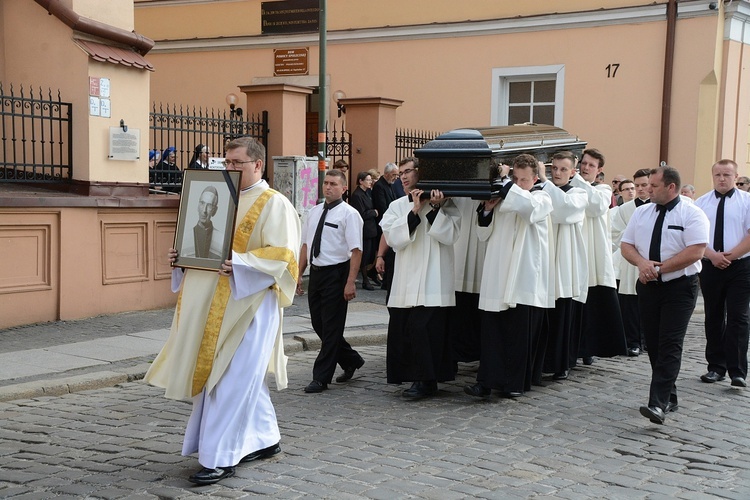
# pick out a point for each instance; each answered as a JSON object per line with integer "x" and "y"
{"x": 671, "y": 407}
{"x": 478, "y": 390}
{"x": 712, "y": 377}
{"x": 634, "y": 351}
{"x": 588, "y": 360}
{"x": 261, "y": 454}
{"x": 367, "y": 286}
{"x": 511, "y": 394}
{"x": 316, "y": 386}
{"x": 653, "y": 413}
{"x": 419, "y": 390}
{"x": 211, "y": 476}
{"x": 348, "y": 373}
{"x": 563, "y": 375}
{"x": 738, "y": 382}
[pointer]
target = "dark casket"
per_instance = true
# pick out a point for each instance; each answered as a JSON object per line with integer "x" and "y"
{"x": 463, "y": 162}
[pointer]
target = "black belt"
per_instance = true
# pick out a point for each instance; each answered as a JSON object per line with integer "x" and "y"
{"x": 313, "y": 267}
{"x": 676, "y": 280}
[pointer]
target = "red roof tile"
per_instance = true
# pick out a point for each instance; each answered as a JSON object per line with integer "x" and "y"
{"x": 114, "y": 55}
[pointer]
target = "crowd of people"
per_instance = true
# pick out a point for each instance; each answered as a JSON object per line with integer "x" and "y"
{"x": 551, "y": 271}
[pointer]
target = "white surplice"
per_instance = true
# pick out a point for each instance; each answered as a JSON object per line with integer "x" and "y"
{"x": 469, "y": 251}
{"x": 517, "y": 264}
{"x": 626, "y": 272}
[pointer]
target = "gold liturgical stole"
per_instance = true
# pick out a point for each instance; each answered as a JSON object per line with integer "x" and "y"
{"x": 205, "y": 360}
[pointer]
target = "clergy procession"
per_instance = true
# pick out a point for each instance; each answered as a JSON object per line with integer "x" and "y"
{"x": 550, "y": 273}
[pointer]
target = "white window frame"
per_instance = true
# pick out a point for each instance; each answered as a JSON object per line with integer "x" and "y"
{"x": 501, "y": 77}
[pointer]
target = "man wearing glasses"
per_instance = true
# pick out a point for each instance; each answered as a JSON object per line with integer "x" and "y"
{"x": 226, "y": 334}
{"x": 743, "y": 183}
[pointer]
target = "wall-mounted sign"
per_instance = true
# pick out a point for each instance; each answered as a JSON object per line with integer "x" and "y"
{"x": 99, "y": 102}
{"x": 290, "y": 62}
{"x": 124, "y": 145}
{"x": 289, "y": 16}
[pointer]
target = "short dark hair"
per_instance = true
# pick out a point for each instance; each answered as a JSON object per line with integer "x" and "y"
{"x": 625, "y": 181}
{"x": 595, "y": 154}
{"x": 641, "y": 172}
{"x": 362, "y": 176}
{"x": 670, "y": 175}
{"x": 341, "y": 164}
{"x": 337, "y": 173}
{"x": 525, "y": 160}
{"x": 409, "y": 159}
{"x": 565, "y": 155}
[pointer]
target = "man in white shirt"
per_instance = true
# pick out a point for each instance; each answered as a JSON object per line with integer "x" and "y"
{"x": 725, "y": 278}
{"x": 332, "y": 243}
{"x": 665, "y": 240}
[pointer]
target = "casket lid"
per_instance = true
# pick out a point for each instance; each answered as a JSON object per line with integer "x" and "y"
{"x": 462, "y": 142}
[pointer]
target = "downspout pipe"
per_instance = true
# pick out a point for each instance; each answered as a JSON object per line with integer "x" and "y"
{"x": 91, "y": 27}
{"x": 666, "y": 98}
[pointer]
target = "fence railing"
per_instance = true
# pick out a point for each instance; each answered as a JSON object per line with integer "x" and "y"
{"x": 184, "y": 129}
{"x": 409, "y": 140}
{"x": 36, "y": 132}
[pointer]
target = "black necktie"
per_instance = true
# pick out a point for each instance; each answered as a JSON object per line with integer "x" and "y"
{"x": 654, "y": 251}
{"x": 315, "y": 249}
{"x": 719, "y": 229}
{"x": 639, "y": 202}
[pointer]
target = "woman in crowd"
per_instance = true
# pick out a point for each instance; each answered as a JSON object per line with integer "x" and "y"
{"x": 361, "y": 199}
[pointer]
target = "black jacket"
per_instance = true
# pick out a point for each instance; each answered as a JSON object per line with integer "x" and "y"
{"x": 382, "y": 196}
{"x": 362, "y": 201}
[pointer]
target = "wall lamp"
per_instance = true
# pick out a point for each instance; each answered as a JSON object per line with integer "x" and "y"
{"x": 232, "y": 101}
{"x": 337, "y": 96}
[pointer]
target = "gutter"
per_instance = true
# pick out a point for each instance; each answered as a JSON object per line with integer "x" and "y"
{"x": 666, "y": 97}
{"x": 89, "y": 26}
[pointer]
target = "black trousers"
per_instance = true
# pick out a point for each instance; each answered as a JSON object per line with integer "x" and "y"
{"x": 464, "y": 327}
{"x": 631, "y": 320}
{"x": 726, "y": 296}
{"x": 328, "y": 314}
{"x": 418, "y": 346}
{"x": 564, "y": 335}
{"x": 665, "y": 312}
{"x": 505, "y": 358}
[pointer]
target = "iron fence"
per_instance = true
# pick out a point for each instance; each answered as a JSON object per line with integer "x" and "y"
{"x": 36, "y": 136}
{"x": 183, "y": 129}
{"x": 409, "y": 140}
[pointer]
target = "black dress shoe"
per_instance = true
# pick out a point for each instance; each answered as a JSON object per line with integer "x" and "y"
{"x": 712, "y": 377}
{"x": 653, "y": 413}
{"x": 738, "y": 382}
{"x": 420, "y": 389}
{"x": 316, "y": 386}
{"x": 634, "y": 351}
{"x": 211, "y": 476}
{"x": 348, "y": 373}
{"x": 261, "y": 454}
{"x": 671, "y": 407}
{"x": 367, "y": 286}
{"x": 478, "y": 390}
{"x": 563, "y": 375}
{"x": 588, "y": 360}
{"x": 510, "y": 394}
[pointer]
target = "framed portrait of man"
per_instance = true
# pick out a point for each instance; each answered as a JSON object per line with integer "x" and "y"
{"x": 206, "y": 218}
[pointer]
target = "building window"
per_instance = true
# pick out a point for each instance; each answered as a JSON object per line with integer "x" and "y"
{"x": 528, "y": 94}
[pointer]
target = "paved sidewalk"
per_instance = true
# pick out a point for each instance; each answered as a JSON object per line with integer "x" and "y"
{"x": 69, "y": 356}
{"x": 579, "y": 438}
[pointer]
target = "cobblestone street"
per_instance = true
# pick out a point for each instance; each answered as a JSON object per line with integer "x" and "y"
{"x": 580, "y": 438}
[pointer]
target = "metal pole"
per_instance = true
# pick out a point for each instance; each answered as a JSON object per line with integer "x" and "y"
{"x": 323, "y": 101}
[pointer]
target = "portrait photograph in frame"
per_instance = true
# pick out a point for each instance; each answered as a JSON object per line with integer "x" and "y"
{"x": 206, "y": 218}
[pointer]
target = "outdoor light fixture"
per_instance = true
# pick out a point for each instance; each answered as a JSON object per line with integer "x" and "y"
{"x": 337, "y": 96}
{"x": 232, "y": 101}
